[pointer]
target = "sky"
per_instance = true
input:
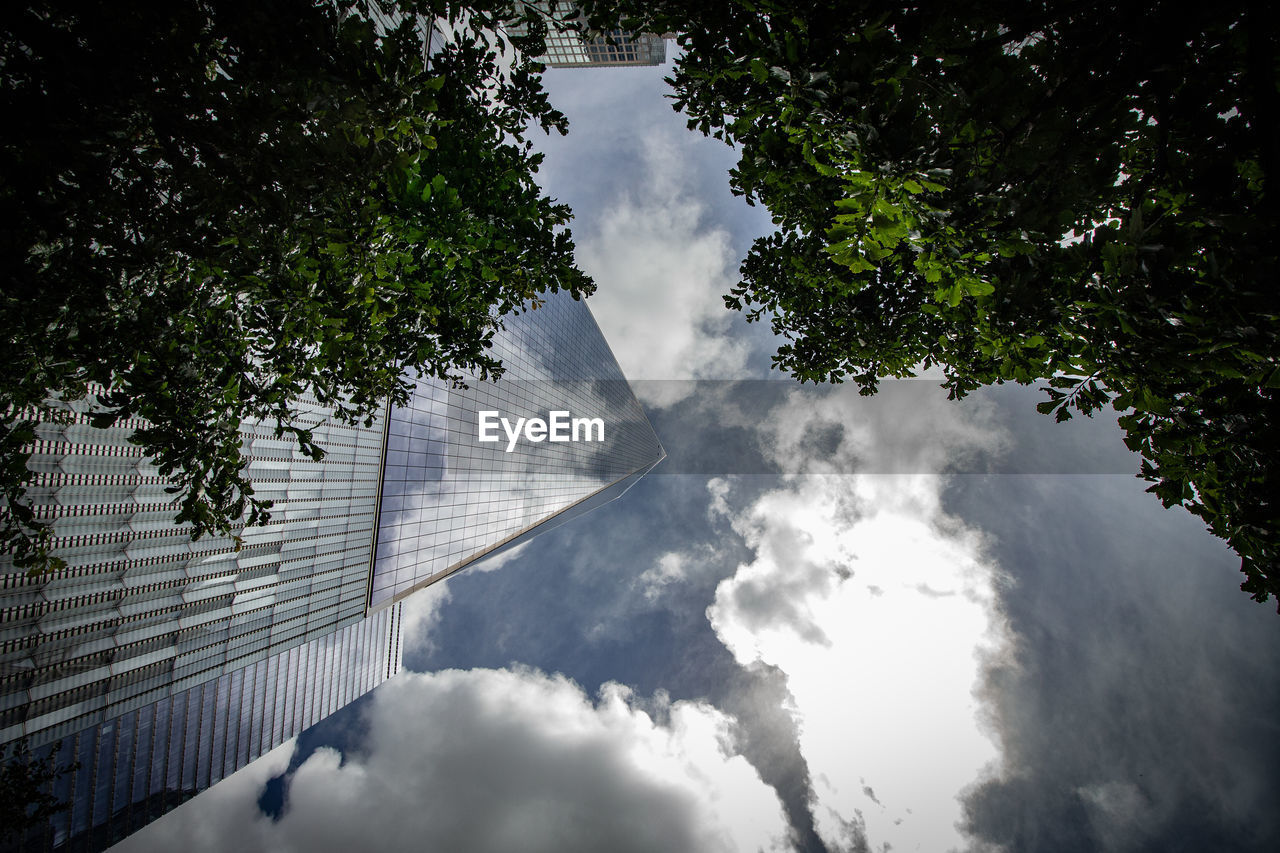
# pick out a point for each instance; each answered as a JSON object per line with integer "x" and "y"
{"x": 824, "y": 623}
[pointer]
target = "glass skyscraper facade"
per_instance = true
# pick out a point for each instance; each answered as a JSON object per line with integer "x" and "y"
{"x": 449, "y": 498}
{"x": 617, "y": 47}
{"x": 161, "y": 665}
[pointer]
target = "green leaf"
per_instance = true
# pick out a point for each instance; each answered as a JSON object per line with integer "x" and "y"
{"x": 255, "y": 233}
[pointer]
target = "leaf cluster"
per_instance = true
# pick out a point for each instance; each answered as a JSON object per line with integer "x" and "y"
{"x": 217, "y": 209}
{"x": 26, "y": 800}
{"x": 1078, "y": 195}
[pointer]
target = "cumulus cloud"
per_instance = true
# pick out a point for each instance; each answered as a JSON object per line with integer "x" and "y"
{"x": 670, "y": 568}
{"x": 909, "y": 427}
{"x": 662, "y": 271}
{"x": 1140, "y": 712}
{"x": 420, "y": 617}
{"x": 675, "y": 571}
{"x": 501, "y": 760}
{"x": 877, "y": 605}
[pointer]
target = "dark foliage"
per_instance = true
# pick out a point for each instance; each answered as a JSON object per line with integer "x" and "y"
{"x": 215, "y": 209}
{"x": 1077, "y": 195}
{"x": 26, "y": 780}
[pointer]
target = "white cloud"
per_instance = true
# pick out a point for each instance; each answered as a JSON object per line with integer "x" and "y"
{"x": 674, "y": 571}
{"x": 719, "y": 489}
{"x": 661, "y": 272}
{"x": 909, "y": 427}
{"x": 500, "y": 760}
{"x": 421, "y": 616}
{"x": 879, "y": 608}
{"x": 670, "y": 568}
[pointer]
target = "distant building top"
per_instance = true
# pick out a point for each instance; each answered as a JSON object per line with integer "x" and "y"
{"x": 570, "y": 50}
{"x": 616, "y": 47}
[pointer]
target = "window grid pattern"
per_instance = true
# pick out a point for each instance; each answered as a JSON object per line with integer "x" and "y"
{"x": 141, "y": 608}
{"x": 161, "y": 665}
{"x": 449, "y": 498}
{"x": 569, "y": 50}
{"x": 617, "y": 47}
{"x": 140, "y": 765}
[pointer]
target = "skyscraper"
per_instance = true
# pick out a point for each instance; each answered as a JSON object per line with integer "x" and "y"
{"x": 162, "y": 665}
{"x": 618, "y": 47}
{"x": 568, "y": 49}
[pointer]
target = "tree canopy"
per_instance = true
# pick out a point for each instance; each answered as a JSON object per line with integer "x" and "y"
{"x": 214, "y": 208}
{"x": 26, "y": 801}
{"x": 1079, "y": 195}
